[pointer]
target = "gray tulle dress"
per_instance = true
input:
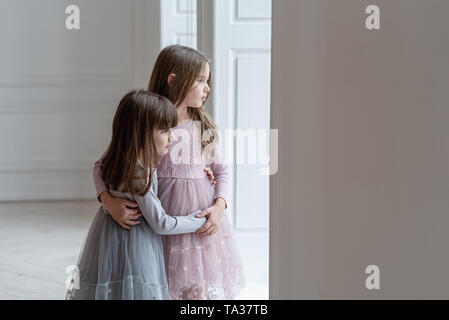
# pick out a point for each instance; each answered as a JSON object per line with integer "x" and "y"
{"x": 119, "y": 264}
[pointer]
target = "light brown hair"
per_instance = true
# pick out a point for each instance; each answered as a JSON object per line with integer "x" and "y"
{"x": 187, "y": 64}
{"x": 132, "y": 143}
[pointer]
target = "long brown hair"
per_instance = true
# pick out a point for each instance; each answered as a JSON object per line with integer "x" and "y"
{"x": 132, "y": 141}
{"x": 187, "y": 64}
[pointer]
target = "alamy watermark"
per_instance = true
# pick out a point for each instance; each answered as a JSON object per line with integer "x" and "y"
{"x": 373, "y": 280}
{"x": 73, "y": 280}
{"x": 372, "y": 21}
{"x": 251, "y": 146}
{"x": 72, "y": 22}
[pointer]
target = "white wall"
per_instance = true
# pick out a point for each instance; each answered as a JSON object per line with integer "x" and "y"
{"x": 363, "y": 150}
{"x": 59, "y": 89}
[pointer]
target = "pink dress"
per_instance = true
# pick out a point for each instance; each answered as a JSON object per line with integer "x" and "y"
{"x": 197, "y": 267}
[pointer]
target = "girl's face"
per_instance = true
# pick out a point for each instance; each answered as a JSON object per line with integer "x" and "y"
{"x": 200, "y": 90}
{"x": 163, "y": 140}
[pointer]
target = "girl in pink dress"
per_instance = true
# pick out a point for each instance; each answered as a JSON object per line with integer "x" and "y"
{"x": 205, "y": 264}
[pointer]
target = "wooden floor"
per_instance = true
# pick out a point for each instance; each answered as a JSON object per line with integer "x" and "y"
{"x": 38, "y": 240}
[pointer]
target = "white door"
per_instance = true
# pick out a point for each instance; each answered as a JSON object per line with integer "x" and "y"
{"x": 178, "y": 23}
{"x": 237, "y": 36}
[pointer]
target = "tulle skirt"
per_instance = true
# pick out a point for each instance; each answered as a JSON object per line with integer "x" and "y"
{"x": 119, "y": 264}
{"x": 199, "y": 267}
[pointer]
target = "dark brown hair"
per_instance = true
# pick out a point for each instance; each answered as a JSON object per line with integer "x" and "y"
{"x": 187, "y": 64}
{"x": 137, "y": 114}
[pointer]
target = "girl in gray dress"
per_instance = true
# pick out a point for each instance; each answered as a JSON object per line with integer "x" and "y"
{"x": 115, "y": 263}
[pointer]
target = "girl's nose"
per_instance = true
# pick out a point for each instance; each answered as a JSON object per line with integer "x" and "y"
{"x": 171, "y": 136}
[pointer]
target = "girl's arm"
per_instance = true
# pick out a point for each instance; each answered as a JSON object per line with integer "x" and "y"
{"x": 161, "y": 222}
{"x": 100, "y": 186}
{"x": 123, "y": 211}
{"x": 221, "y": 173}
{"x": 215, "y": 212}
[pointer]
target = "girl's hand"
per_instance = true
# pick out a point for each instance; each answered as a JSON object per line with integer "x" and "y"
{"x": 123, "y": 211}
{"x": 210, "y": 174}
{"x": 213, "y": 215}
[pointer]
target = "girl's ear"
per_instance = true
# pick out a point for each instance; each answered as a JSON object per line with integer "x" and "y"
{"x": 170, "y": 78}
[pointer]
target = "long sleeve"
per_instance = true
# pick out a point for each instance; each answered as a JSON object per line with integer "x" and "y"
{"x": 162, "y": 223}
{"x": 100, "y": 186}
{"x": 221, "y": 174}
